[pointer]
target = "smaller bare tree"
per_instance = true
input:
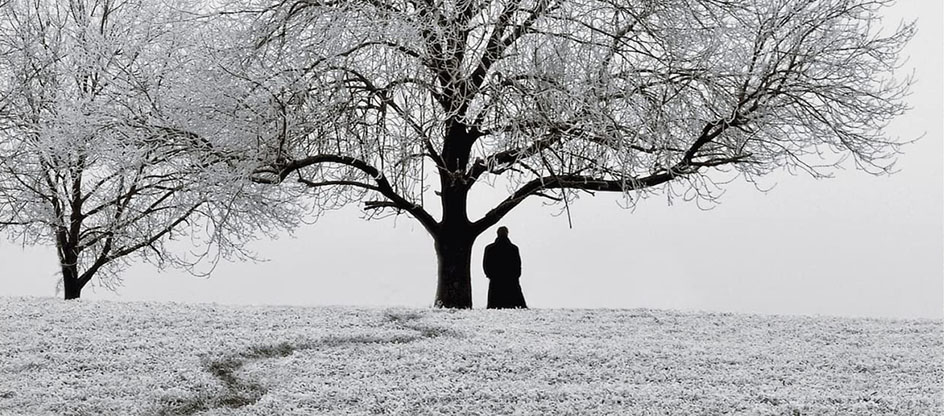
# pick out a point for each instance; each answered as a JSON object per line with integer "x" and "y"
{"x": 93, "y": 156}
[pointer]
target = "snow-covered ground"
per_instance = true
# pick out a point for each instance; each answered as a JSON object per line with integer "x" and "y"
{"x": 87, "y": 357}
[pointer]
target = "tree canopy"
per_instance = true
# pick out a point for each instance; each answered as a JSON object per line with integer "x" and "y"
{"x": 560, "y": 97}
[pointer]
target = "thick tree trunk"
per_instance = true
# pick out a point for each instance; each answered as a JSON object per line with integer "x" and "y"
{"x": 455, "y": 234}
{"x": 454, "y": 253}
{"x": 454, "y": 239}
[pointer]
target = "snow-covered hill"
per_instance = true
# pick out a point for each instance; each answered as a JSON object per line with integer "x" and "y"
{"x": 87, "y": 357}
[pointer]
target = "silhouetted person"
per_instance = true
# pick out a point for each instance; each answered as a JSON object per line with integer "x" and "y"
{"x": 502, "y": 265}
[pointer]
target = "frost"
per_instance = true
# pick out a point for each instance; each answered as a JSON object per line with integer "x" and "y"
{"x": 86, "y": 357}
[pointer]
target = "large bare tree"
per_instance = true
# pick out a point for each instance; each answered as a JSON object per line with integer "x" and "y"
{"x": 95, "y": 155}
{"x": 368, "y": 99}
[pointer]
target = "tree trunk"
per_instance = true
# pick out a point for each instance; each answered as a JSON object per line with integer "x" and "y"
{"x": 69, "y": 261}
{"x": 454, "y": 253}
{"x": 453, "y": 240}
{"x": 71, "y": 282}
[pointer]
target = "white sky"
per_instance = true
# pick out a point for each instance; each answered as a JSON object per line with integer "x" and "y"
{"x": 855, "y": 245}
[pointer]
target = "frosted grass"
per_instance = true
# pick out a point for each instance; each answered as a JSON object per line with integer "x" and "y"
{"x": 91, "y": 357}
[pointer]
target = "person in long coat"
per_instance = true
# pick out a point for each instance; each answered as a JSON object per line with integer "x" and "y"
{"x": 502, "y": 264}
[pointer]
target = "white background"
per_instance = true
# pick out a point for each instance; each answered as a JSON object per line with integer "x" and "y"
{"x": 854, "y": 245}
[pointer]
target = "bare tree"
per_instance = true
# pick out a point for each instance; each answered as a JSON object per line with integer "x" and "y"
{"x": 94, "y": 157}
{"x": 366, "y": 99}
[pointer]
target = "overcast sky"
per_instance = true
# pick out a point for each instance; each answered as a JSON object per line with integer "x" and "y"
{"x": 854, "y": 245}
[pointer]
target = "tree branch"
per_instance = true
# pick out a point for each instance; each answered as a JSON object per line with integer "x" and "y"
{"x": 383, "y": 186}
{"x": 313, "y": 184}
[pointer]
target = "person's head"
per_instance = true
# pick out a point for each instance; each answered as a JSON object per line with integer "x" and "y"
{"x": 503, "y": 231}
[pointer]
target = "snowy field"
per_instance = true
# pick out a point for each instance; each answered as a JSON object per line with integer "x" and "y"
{"x": 92, "y": 358}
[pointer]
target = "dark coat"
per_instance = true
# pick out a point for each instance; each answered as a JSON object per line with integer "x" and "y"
{"x": 502, "y": 264}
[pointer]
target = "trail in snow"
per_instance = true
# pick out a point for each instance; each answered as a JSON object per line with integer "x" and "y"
{"x": 240, "y": 392}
